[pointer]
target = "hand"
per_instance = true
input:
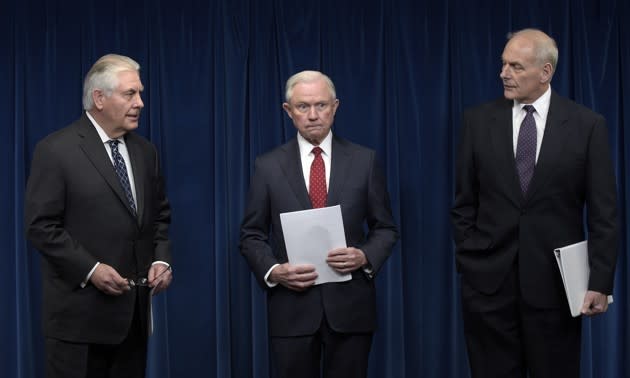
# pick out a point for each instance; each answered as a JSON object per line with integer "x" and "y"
{"x": 595, "y": 303}
{"x": 294, "y": 277}
{"x": 107, "y": 280}
{"x": 346, "y": 260}
{"x": 160, "y": 277}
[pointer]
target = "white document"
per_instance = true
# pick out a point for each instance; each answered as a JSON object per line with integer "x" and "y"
{"x": 574, "y": 269}
{"x": 310, "y": 234}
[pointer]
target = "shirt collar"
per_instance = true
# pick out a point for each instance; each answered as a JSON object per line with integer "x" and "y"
{"x": 101, "y": 133}
{"x": 306, "y": 147}
{"x": 541, "y": 104}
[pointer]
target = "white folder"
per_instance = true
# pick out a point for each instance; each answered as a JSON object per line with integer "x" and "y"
{"x": 574, "y": 269}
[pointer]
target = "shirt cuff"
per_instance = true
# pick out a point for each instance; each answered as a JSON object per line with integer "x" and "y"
{"x": 368, "y": 270}
{"x": 269, "y": 283}
{"x": 161, "y": 262}
{"x": 87, "y": 278}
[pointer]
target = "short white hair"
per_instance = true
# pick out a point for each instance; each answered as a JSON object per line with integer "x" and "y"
{"x": 308, "y": 77}
{"x": 545, "y": 47}
{"x": 104, "y": 76}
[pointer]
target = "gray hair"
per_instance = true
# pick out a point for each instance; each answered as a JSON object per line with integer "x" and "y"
{"x": 545, "y": 47}
{"x": 308, "y": 77}
{"x": 104, "y": 76}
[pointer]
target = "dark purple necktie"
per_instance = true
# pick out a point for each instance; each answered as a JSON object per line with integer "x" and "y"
{"x": 526, "y": 148}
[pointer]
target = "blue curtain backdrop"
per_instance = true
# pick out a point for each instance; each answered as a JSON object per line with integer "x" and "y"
{"x": 214, "y": 73}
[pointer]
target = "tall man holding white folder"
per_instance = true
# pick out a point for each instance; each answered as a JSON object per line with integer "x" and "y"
{"x": 313, "y": 170}
{"x": 529, "y": 166}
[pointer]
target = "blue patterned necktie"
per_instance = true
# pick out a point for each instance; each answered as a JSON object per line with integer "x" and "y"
{"x": 121, "y": 171}
{"x": 526, "y": 148}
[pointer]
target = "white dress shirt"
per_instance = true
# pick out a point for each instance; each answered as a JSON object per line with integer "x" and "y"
{"x": 306, "y": 158}
{"x": 540, "y": 116}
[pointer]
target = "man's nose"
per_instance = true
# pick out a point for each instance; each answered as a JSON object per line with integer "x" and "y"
{"x": 139, "y": 103}
{"x": 312, "y": 113}
{"x": 505, "y": 69}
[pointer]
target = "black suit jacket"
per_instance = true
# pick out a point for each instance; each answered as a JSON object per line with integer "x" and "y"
{"x": 495, "y": 224}
{"x": 358, "y": 185}
{"x": 76, "y": 214}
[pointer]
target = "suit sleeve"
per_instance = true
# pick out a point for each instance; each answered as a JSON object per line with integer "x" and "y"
{"x": 382, "y": 231}
{"x": 254, "y": 239}
{"x": 44, "y": 218}
{"x": 162, "y": 251}
{"x": 464, "y": 211}
{"x": 601, "y": 207}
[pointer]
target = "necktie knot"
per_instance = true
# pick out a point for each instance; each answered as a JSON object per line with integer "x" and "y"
{"x": 317, "y": 151}
{"x": 317, "y": 182}
{"x": 529, "y": 109}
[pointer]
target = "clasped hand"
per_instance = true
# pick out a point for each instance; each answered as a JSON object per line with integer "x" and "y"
{"x": 300, "y": 277}
{"x": 107, "y": 279}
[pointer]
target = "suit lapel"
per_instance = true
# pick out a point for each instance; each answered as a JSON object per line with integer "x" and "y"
{"x": 339, "y": 164}
{"x": 503, "y": 144}
{"x": 93, "y": 147}
{"x": 552, "y": 144}
{"x": 139, "y": 171}
{"x": 291, "y": 165}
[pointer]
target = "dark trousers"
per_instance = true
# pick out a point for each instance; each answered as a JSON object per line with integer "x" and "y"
{"x": 506, "y": 337}
{"x": 75, "y": 360}
{"x": 327, "y": 354}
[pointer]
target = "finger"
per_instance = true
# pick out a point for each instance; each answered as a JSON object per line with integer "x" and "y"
{"x": 162, "y": 282}
{"x": 302, "y": 279}
{"x": 586, "y": 306}
{"x": 305, "y": 268}
{"x": 301, "y": 286}
{"x": 338, "y": 253}
{"x": 113, "y": 290}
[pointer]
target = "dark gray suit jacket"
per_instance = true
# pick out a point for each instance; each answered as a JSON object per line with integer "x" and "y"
{"x": 496, "y": 225}
{"x": 358, "y": 185}
{"x": 76, "y": 214}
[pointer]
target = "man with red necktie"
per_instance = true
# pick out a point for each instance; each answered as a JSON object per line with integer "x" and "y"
{"x": 328, "y": 325}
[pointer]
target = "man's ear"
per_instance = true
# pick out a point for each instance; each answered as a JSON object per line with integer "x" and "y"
{"x": 287, "y": 108}
{"x": 98, "y": 97}
{"x": 547, "y": 73}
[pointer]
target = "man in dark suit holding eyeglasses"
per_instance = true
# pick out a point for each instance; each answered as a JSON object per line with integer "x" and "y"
{"x": 96, "y": 210}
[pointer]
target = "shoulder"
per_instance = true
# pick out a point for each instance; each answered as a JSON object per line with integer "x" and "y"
{"x": 138, "y": 140}
{"x": 341, "y": 144}
{"x": 488, "y": 109}
{"x": 284, "y": 151}
{"x": 574, "y": 110}
{"x": 62, "y": 138}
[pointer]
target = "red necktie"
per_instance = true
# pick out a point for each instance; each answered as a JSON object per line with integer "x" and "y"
{"x": 317, "y": 181}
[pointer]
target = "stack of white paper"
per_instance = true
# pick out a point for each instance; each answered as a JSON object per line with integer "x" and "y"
{"x": 574, "y": 269}
{"x": 310, "y": 234}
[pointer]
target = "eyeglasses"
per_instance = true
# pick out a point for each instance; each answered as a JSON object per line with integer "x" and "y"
{"x": 144, "y": 281}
